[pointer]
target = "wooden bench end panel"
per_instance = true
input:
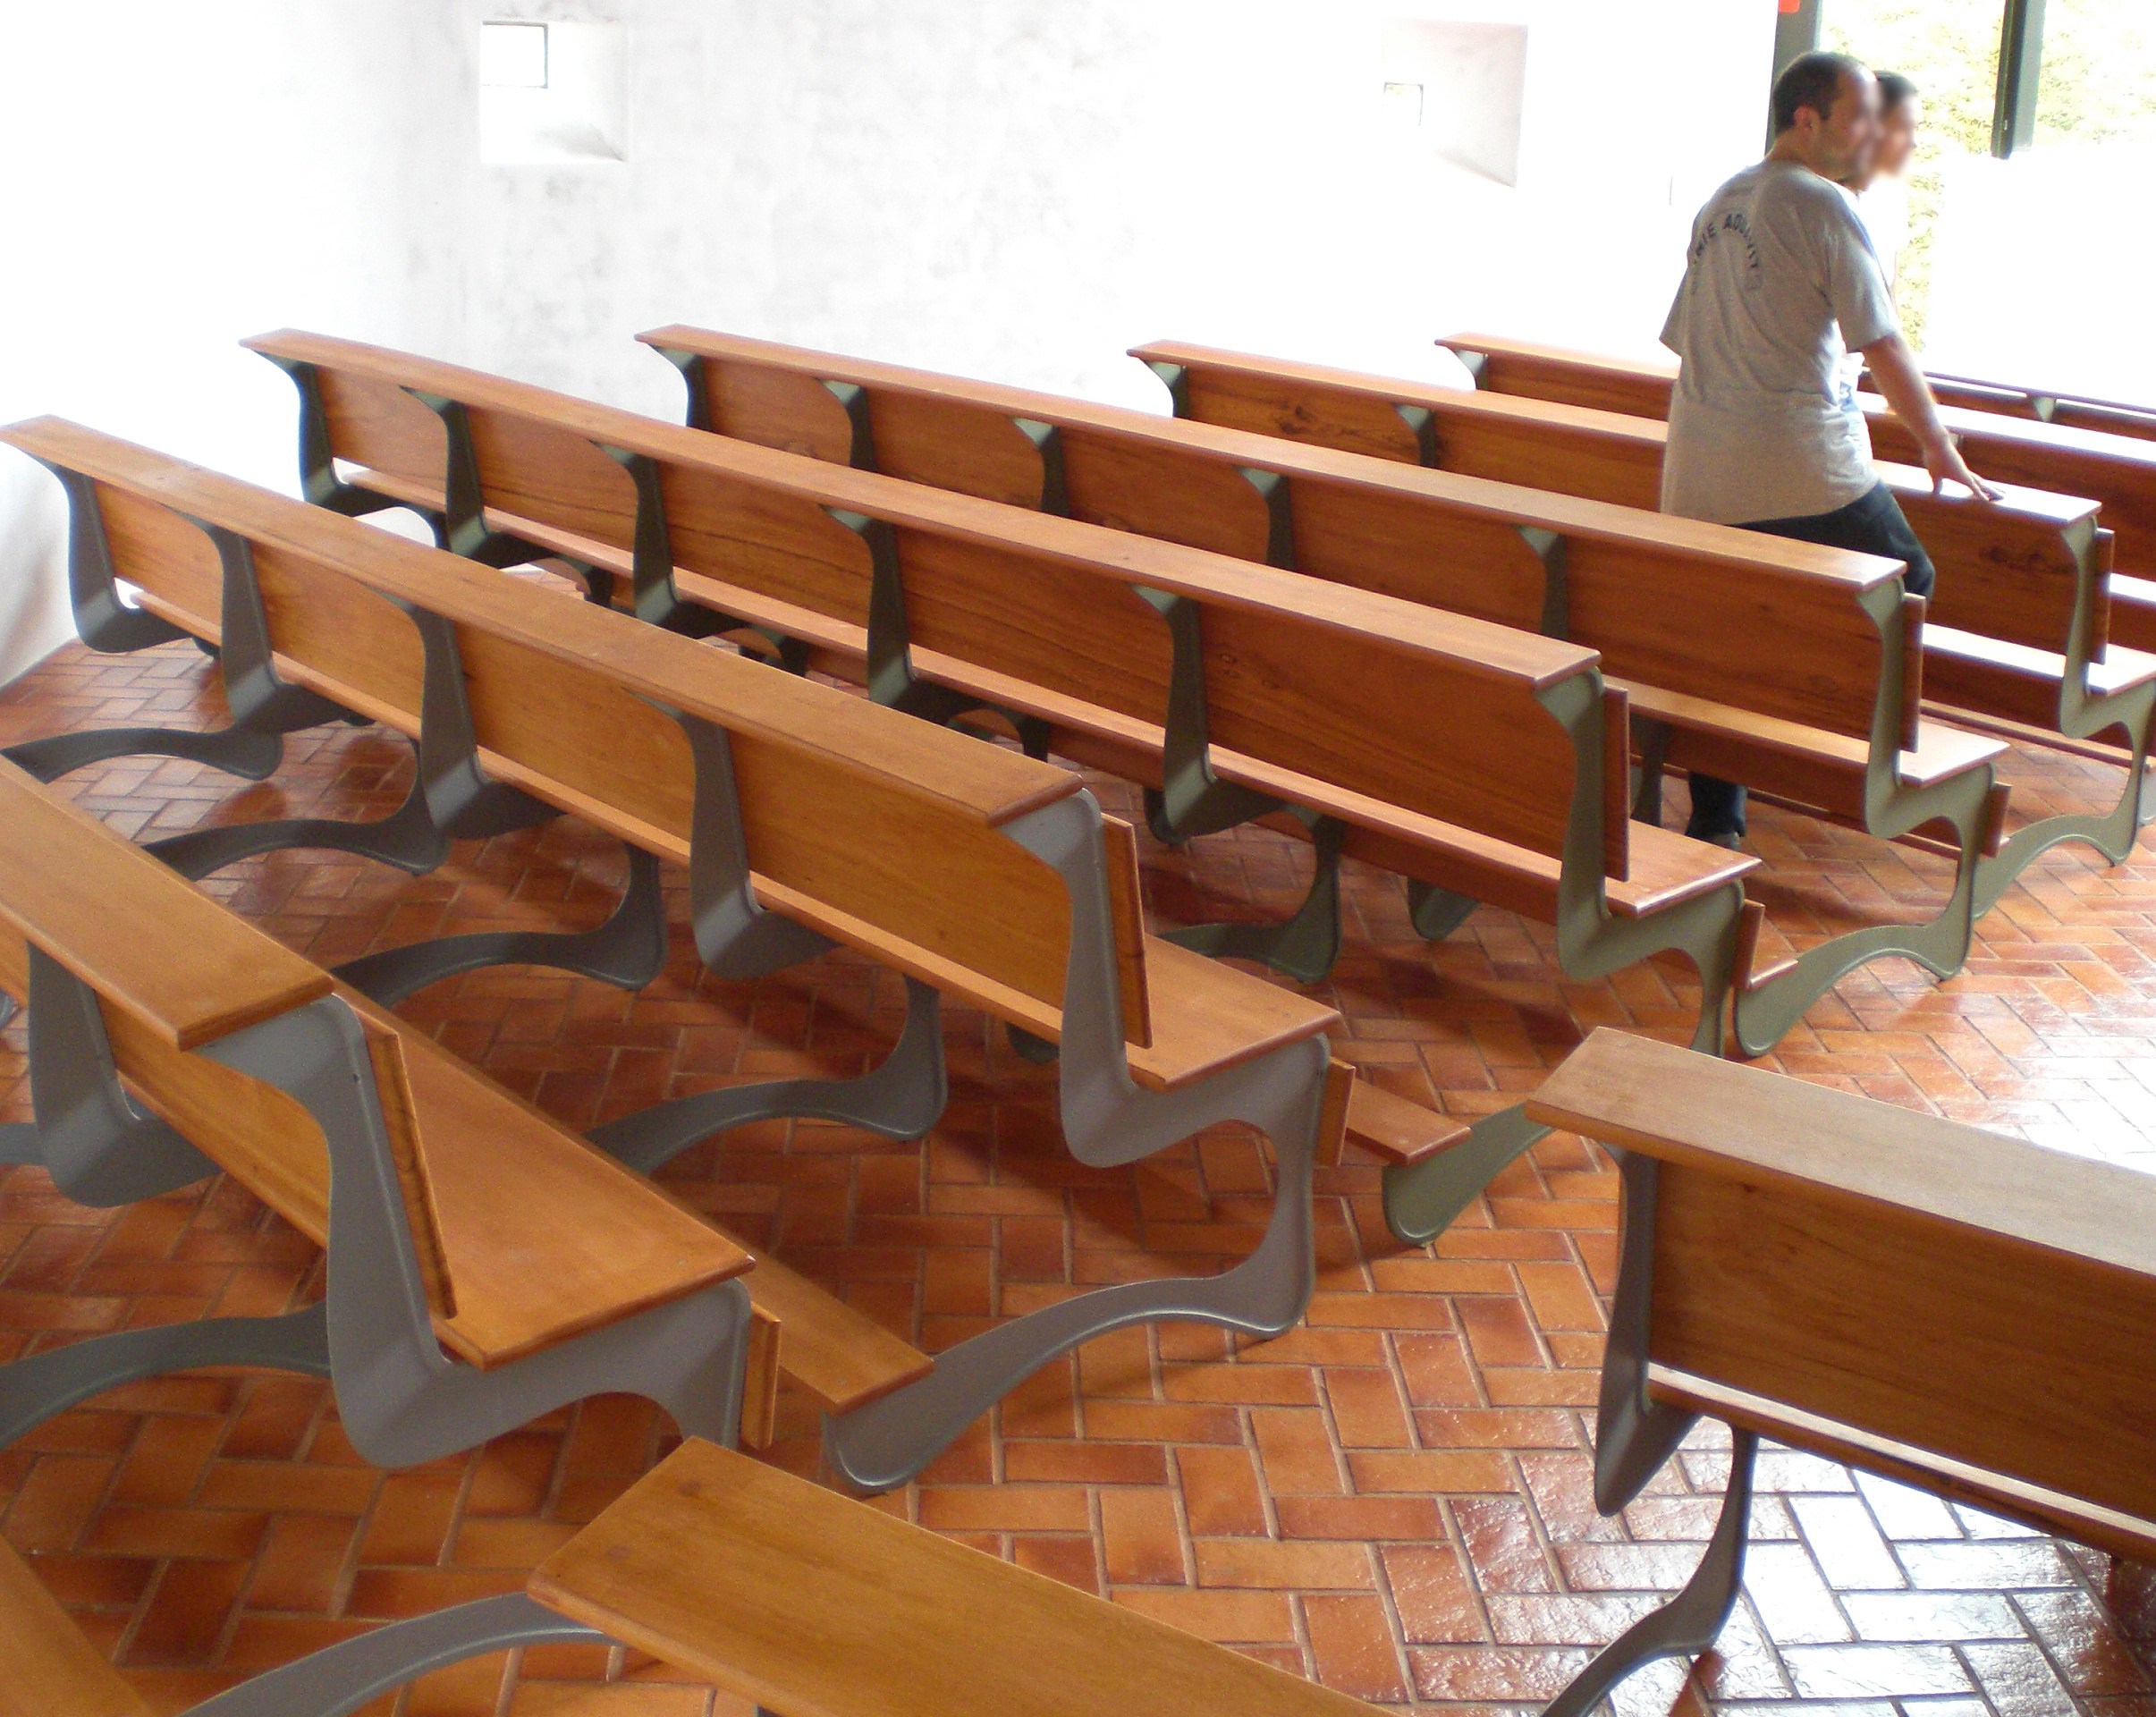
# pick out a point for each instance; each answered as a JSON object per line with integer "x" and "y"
{"x": 2031, "y": 1364}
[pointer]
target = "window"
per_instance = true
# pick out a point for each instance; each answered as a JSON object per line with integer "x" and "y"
{"x": 551, "y": 94}
{"x": 2097, "y": 82}
{"x": 2039, "y": 117}
{"x": 1950, "y": 48}
{"x": 512, "y": 57}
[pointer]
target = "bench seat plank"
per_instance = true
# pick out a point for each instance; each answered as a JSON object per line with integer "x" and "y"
{"x": 808, "y": 1603}
{"x": 841, "y": 1357}
{"x": 189, "y": 973}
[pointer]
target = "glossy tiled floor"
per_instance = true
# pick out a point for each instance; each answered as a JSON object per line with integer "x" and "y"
{"x": 1393, "y": 1499}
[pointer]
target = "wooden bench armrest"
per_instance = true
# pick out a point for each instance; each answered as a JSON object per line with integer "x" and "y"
{"x": 147, "y": 940}
{"x": 808, "y": 1602}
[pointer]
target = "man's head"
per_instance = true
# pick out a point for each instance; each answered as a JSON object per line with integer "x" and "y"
{"x": 1826, "y": 116}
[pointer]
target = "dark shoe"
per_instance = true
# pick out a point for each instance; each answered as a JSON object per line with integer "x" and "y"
{"x": 1728, "y": 838}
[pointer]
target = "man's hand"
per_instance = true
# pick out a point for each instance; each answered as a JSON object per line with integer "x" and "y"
{"x": 1942, "y": 458}
{"x": 1893, "y": 365}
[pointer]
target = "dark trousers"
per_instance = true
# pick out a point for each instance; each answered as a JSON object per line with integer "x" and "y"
{"x": 1873, "y": 523}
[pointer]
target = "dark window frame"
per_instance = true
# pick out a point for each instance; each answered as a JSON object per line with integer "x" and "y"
{"x": 2020, "y": 64}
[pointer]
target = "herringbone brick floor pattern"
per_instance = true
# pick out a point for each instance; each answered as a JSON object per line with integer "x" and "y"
{"x": 1393, "y": 1499}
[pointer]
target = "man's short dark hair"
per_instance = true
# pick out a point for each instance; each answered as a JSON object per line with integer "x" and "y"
{"x": 1894, "y": 89}
{"x": 1811, "y": 81}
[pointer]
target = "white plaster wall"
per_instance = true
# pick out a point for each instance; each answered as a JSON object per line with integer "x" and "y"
{"x": 1011, "y": 189}
{"x": 177, "y": 177}
{"x": 1021, "y": 189}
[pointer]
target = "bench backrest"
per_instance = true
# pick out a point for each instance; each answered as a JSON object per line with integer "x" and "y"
{"x": 837, "y": 799}
{"x": 2104, "y": 455}
{"x": 1439, "y": 716}
{"x": 1601, "y": 578}
{"x": 1640, "y": 384}
{"x": 1978, "y": 1299}
{"x": 2026, "y": 572}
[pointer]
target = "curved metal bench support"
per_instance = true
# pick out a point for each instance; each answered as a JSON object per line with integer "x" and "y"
{"x": 1108, "y": 1121}
{"x": 900, "y": 1098}
{"x": 341, "y": 1678}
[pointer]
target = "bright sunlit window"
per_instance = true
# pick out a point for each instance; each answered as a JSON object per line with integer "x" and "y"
{"x": 512, "y": 57}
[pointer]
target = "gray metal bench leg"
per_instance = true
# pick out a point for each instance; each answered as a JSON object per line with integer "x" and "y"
{"x": 402, "y": 1398}
{"x": 887, "y": 1442}
{"x": 1690, "y": 1621}
{"x": 343, "y": 1677}
{"x": 2111, "y": 833}
{"x": 902, "y": 1098}
{"x": 99, "y": 1149}
{"x": 407, "y": 838}
{"x": 1761, "y": 1015}
{"x": 236, "y": 750}
{"x": 46, "y": 1384}
{"x": 1423, "y": 1199}
{"x": 1302, "y": 946}
{"x": 628, "y": 950}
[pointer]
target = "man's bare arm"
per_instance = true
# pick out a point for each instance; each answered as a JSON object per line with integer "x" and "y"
{"x": 1893, "y": 365}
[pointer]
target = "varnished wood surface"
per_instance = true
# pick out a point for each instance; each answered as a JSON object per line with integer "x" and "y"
{"x": 49, "y": 1667}
{"x": 1497, "y": 503}
{"x": 979, "y": 782}
{"x": 843, "y": 1358}
{"x": 808, "y": 1603}
{"x": 147, "y": 940}
{"x": 2018, "y": 1360}
{"x": 2097, "y": 463}
{"x": 957, "y": 588}
{"x": 1954, "y": 1291}
{"x": 1396, "y": 1128}
{"x": 585, "y": 1242}
{"x": 2051, "y": 1511}
{"x": 1687, "y": 1108}
{"x": 1213, "y": 578}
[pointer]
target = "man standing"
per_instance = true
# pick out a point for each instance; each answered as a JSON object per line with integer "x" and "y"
{"x": 1757, "y": 434}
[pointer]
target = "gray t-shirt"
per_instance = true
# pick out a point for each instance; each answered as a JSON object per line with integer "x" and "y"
{"x": 1778, "y": 258}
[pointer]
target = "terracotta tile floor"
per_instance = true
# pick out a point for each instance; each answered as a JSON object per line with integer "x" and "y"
{"x": 1393, "y": 1499}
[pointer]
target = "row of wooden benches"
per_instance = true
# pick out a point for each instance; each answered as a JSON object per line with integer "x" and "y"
{"x": 526, "y": 704}
{"x": 1810, "y": 705}
{"x": 290, "y": 1033}
{"x": 1778, "y": 1243}
{"x": 1803, "y": 678}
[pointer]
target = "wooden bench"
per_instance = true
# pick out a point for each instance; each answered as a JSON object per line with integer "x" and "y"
{"x": 366, "y": 1136}
{"x": 1481, "y": 764}
{"x": 53, "y": 1670}
{"x": 1942, "y": 1305}
{"x": 802, "y": 814}
{"x": 2018, "y": 634}
{"x": 1816, "y": 706}
{"x": 808, "y": 1604}
{"x": 1640, "y": 386}
{"x": 2117, "y": 468}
